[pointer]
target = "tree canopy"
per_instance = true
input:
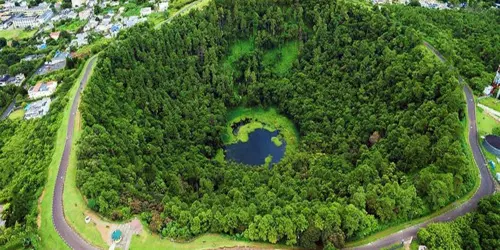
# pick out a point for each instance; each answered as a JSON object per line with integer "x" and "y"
{"x": 156, "y": 107}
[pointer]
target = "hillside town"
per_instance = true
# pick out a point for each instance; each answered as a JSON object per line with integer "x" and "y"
{"x": 60, "y": 31}
{"x": 112, "y": 17}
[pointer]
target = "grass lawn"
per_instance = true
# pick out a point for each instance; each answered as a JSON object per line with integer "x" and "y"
{"x": 16, "y": 34}
{"x": 96, "y": 45}
{"x": 147, "y": 241}
{"x": 281, "y": 59}
{"x": 48, "y": 235}
{"x": 132, "y": 9}
{"x": 268, "y": 119}
{"x": 157, "y": 17}
{"x": 491, "y": 103}
{"x": 72, "y": 26}
{"x": 238, "y": 50}
{"x": 18, "y": 114}
{"x": 485, "y": 124}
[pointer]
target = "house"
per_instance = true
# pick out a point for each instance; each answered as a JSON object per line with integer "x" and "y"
{"x": 90, "y": 25}
{"x": 146, "y": 11}
{"x": 131, "y": 21}
{"x": 25, "y": 22}
{"x": 163, "y": 6}
{"x": 21, "y": 22}
{"x": 11, "y": 80}
{"x": 81, "y": 39}
{"x": 41, "y": 46}
{"x": 488, "y": 90}
{"x": 32, "y": 57}
{"x": 42, "y": 89}
{"x": 55, "y": 35}
{"x": 78, "y": 3}
{"x": 85, "y": 14}
{"x": 37, "y": 109}
{"x": 4, "y": 79}
{"x": 115, "y": 28}
{"x": 59, "y": 57}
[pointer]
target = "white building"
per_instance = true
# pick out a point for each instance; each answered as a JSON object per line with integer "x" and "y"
{"x": 162, "y": 6}
{"x": 146, "y": 11}
{"x": 81, "y": 39}
{"x": 37, "y": 109}
{"x": 24, "y": 22}
{"x": 78, "y": 3}
{"x": 59, "y": 57}
{"x": 42, "y": 89}
{"x": 85, "y": 14}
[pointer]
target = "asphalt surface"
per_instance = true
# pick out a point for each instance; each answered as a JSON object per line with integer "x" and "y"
{"x": 487, "y": 186}
{"x": 71, "y": 238}
{"x": 9, "y": 109}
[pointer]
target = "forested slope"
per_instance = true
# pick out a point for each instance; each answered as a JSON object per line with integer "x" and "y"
{"x": 467, "y": 38}
{"x": 155, "y": 110}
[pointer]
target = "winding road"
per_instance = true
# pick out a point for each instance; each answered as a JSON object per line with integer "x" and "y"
{"x": 69, "y": 236}
{"x": 486, "y": 187}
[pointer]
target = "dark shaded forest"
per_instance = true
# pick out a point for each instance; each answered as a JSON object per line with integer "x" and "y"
{"x": 155, "y": 110}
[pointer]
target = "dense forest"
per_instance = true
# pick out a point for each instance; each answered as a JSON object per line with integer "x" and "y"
{"x": 156, "y": 107}
{"x": 467, "y": 38}
{"x": 476, "y": 230}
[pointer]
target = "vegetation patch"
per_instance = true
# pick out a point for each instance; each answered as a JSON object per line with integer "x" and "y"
{"x": 71, "y": 25}
{"x": 244, "y": 121}
{"x": 281, "y": 59}
{"x": 16, "y": 34}
{"x": 491, "y": 102}
{"x": 17, "y": 114}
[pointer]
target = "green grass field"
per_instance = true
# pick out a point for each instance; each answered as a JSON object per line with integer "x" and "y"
{"x": 485, "y": 124}
{"x": 72, "y": 26}
{"x": 238, "y": 50}
{"x": 16, "y": 34}
{"x": 146, "y": 241}
{"x": 18, "y": 114}
{"x": 281, "y": 59}
{"x": 491, "y": 102}
{"x": 48, "y": 235}
{"x": 268, "y": 119}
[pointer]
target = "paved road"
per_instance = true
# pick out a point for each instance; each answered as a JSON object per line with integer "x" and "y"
{"x": 9, "y": 109}
{"x": 487, "y": 183}
{"x": 63, "y": 229}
